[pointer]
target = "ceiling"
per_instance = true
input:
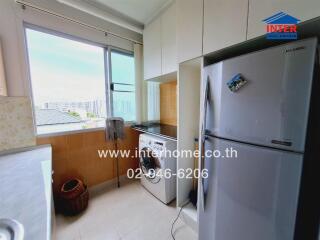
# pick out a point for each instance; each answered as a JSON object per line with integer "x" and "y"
{"x": 139, "y": 10}
{"x": 131, "y": 14}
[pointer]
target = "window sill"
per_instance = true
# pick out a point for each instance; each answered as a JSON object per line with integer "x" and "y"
{"x": 53, "y": 134}
{"x": 94, "y": 129}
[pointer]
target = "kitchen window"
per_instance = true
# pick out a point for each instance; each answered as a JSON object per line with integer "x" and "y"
{"x": 69, "y": 82}
{"x": 122, "y": 85}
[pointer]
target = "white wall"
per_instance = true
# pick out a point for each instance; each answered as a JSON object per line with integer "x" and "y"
{"x": 11, "y": 52}
{"x": 12, "y": 36}
{"x": 189, "y": 82}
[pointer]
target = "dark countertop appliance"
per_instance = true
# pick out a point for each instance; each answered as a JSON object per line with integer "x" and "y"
{"x": 158, "y": 129}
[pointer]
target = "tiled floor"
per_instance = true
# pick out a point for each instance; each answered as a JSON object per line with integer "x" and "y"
{"x": 127, "y": 213}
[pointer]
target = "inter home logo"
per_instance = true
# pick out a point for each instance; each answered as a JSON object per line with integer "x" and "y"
{"x": 281, "y": 26}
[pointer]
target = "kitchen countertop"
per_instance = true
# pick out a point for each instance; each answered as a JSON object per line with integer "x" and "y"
{"x": 158, "y": 129}
{"x": 25, "y": 190}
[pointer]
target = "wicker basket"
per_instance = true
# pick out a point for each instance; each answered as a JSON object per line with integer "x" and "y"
{"x": 72, "y": 188}
{"x": 76, "y": 200}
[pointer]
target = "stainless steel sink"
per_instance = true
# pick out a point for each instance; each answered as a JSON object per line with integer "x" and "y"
{"x": 11, "y": 229}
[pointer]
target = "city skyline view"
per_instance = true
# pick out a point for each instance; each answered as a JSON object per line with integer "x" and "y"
{"x": 69, "y": 76}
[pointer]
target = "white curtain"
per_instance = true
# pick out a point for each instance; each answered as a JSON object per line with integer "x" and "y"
{"x": 147, "y": 93}
{"x": 141, "y": 85}
{"x": 3, "y": 84}
{"x": 153, "y": 101}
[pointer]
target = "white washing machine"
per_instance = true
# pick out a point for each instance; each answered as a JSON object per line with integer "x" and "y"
{"x": 154, "y": 162}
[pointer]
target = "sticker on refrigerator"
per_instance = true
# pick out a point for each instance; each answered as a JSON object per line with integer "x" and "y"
{"x": 236, "y": 83}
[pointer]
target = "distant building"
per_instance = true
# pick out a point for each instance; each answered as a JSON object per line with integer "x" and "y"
{"x": 53, "y": 116}
{"x": 52, "y": 120}
{"x": 95, "y": 107}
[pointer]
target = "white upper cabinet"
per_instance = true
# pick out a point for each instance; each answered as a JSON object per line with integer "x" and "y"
{"x": 260, "y": 10}
{"x": 225, "y": 23}
{"x": 168, "y": 40}
{"x": 152, "y": 49}
{"x": 159, "y": 41}
{"x": 189, "y": 29}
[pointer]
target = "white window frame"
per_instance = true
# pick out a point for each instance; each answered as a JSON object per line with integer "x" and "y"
{"x": 124, "y": 52}
{"x": 107, "y": 69}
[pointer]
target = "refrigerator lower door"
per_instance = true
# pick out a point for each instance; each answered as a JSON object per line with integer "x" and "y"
{"x": 249, "y": 195}
{"x": 263, "y": 97}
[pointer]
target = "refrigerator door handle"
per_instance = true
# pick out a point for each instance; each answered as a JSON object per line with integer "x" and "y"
{"x": 205, "y": 104}
{"x": 203, "y": 166}
{"x": 202, "y": 141}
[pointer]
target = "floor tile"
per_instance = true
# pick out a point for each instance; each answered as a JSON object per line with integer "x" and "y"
{"x": 127, "y": 213}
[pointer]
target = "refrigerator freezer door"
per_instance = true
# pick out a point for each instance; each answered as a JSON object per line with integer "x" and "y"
{"x": 263, "y": 97}
{"x": 249, "y": 196}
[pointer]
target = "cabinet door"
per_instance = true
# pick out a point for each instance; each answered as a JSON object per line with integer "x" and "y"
{"x": 225, "y": 23}
{"x": 189, "y": 29}
{"x": 3, "y": 86}
{"x": 152, "y": 49}
{"x": 168, "y": 40}
{"x": 262, "y": 9}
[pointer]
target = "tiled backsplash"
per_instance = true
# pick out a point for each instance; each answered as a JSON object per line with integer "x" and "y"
{"x": 16, "y": 123}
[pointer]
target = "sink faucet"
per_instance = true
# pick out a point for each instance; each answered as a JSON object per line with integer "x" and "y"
{"x": 11, "y": 229}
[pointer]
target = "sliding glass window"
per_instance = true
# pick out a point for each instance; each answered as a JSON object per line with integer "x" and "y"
{"x": 122, "y": 85}
{"x": 68, "y": 82}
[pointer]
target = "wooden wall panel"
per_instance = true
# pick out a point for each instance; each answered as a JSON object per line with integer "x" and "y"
{"x": 76, "y": 155}
{"x": 168, "y": 103}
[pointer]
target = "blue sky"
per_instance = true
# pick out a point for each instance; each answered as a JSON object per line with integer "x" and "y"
{"x": 68, "y": 70}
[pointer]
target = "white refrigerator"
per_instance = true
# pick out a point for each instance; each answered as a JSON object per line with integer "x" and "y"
{"x": 256, "y": 106}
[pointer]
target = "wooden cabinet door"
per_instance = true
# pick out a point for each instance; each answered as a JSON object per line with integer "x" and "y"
{"x": 262, "y": 9}
{"x": 168, "y": 40}
{"x": 152, "y": 49}
{"x": 189, "y": 29}
{"x": 225, "y": 23}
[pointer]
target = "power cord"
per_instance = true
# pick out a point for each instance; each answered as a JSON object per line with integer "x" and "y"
{"x": 174, "y": 222}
